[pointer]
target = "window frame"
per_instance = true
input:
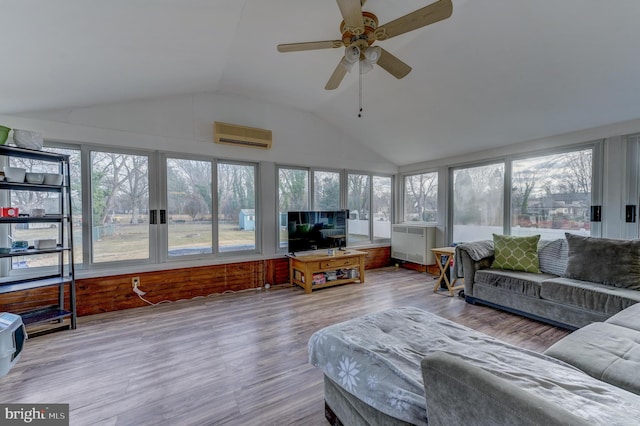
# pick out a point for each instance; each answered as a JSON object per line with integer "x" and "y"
{"x": 158, "y": 235}
{"x": 403, "y": 196}
{"x": 597, "y": 147}
{"x": 87, "y": 238}
{"x": 216, "y": 210}
{"x": 371, "y": 175}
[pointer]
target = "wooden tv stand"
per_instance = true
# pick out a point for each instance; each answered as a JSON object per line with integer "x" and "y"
{"x": 304, "y": 267}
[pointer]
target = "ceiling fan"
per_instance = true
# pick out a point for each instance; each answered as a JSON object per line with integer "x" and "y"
{"x": 360, "y": 30}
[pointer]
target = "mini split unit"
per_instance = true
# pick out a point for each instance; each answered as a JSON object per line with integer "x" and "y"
{"x": 231, "y": 134}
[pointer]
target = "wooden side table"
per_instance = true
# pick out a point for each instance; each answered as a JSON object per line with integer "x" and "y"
{"x": 439, "y": 253}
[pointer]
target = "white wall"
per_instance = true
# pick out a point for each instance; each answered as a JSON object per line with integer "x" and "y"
{"x": 184, "y": 124}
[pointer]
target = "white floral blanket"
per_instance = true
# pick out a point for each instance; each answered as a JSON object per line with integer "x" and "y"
{"x": 377, "y": 359}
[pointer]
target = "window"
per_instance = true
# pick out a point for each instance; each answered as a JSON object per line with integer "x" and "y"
{"x": 478, "y": 202}
{"x": 370, "y": 201}
{"x": 189, "y": 207}
{"x": 293, "y": 195}
{"x": 551, "y": 194}
{"x": 359, "y": 205}
{"x": 236, "y": 207}
{"x": 26, "y": 201}
{"x": 326, "y": 190}
{"x": 75, "y": 178}
{"x": 421, "y": 197}
{"x": 119, "y": 207}
{"x": 381, "y": 207}
{"x": 548, "y": 195}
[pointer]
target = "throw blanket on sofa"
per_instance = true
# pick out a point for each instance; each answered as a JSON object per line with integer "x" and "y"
{"x": 477, "y": 250}
{"x": 377, "y": 359}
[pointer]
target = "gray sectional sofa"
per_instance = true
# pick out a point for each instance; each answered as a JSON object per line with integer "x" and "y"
{"x": 605, "y": 356}
{"x": 405, "y": 366}
{"x": 581, "y": 279}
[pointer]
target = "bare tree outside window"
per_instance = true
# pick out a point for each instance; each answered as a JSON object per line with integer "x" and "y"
{"x": 359, "y": 205}
{"x": 236, "y": 207}
{"x": 478, "y": 202}
{"x": 326, "y": 190}
{"x": 120, "y": 206}
{"x": 551, "y": 194}
{"x": 293, "y": 195}
{"x": 189, "y": 207}
{"x": 421, "y": 197}
{"x": 381, "y": 207}
{"x": 49, "y": 201}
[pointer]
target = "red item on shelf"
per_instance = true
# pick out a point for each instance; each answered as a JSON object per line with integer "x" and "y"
{"x": 8, "y": 212}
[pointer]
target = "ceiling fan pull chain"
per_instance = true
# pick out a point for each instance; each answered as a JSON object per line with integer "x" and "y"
{"x": 360, "y": 89}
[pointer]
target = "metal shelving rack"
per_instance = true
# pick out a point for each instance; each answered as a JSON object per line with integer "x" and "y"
{"x": 64, "y": 277}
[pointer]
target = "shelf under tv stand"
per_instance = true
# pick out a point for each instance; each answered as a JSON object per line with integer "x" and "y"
{"x": 303, "y": 267}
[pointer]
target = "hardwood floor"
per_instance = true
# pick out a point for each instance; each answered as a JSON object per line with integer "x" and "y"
{"x": 232, "y": 359}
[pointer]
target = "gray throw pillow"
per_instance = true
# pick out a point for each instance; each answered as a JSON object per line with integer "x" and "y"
{"x": 553, "y": 256}
{"x": 604, "y": 260}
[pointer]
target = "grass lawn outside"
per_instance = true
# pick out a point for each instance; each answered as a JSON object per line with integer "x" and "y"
{"x": 131, "y": 241}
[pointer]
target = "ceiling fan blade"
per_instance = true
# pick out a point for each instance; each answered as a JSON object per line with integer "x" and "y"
{"x": 351, "y": 11}
{"x": 311, "y": 45}
{"x": 336, "y": 77}
{"x": 393, "y": 65}
{"x": 442, "y": 9}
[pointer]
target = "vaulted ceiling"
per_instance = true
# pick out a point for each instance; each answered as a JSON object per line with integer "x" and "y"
{"x": 497, "y": 72}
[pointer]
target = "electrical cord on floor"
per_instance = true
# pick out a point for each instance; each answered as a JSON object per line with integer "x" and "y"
{"x": 141, "y": 293}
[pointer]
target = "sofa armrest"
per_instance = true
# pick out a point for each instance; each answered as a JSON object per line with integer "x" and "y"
{"x": 459, "y": 393}
{"x": 471, "y": 257}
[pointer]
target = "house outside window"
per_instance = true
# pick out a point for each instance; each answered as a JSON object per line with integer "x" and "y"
{"x": 551, "y": 194}
{"x": 546, "y": 195}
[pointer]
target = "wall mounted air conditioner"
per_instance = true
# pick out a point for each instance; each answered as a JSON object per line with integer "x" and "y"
{"x": 413, "y": 243}
{"x": 231, "y": 134}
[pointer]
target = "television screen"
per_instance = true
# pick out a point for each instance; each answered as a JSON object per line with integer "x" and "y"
{"x": 315, "y": 230}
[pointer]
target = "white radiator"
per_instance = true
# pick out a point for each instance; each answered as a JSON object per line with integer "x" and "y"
{"x": 413, "y": 243}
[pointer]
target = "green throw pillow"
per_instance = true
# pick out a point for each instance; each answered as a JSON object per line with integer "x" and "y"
{"x": 516, "y": 253}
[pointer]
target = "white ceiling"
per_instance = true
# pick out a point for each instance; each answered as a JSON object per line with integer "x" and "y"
{"x": 495, "y": 73}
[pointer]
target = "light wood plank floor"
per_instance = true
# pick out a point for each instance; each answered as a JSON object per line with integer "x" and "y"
{"x": 234, "y": 359}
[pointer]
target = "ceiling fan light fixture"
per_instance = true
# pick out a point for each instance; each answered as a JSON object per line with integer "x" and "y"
{"x": 346, "y": 64}
{"x": 360, "y": 29}
{"x": 352, "y": 54}
{"x": 372, "y": 54}
{"x": 365, "y": 66}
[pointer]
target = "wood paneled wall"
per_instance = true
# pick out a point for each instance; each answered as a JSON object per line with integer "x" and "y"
{"x": 113, "y": 293}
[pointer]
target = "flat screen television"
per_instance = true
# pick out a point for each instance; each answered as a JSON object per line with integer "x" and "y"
{"x": 316, "y": 230}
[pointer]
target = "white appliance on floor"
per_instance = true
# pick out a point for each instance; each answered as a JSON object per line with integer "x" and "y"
{"x": 12, "y": 338}
{"x": 413, "y": 243}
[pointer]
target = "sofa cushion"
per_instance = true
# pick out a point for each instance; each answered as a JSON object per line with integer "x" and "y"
{"x": 607, "y": 352}
{"x": 604, "y": 260}
{"x": 460, "y": 392}
{"x": 629, "y": 317}
{"x": 588, "y": 295}
{"x": 553, "y": 255}
{"x": 516, "y": 253}
{"x": 516, "y": 281}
